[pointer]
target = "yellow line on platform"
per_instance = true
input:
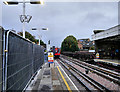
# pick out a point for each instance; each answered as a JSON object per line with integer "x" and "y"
{"x": 64, "y": 80}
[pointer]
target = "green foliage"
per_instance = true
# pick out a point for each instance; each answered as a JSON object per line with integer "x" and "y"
{"x": 69, "y": 44}
{"x": 92, "y": 48}
{"x": 31, "y": 37}
{"x": 41, "y": 42}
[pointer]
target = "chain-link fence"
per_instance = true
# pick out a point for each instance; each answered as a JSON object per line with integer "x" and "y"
{"x": 22, "y": 60}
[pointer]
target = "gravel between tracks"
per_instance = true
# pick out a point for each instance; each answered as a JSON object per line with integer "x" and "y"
{"x": 109, "y": 84}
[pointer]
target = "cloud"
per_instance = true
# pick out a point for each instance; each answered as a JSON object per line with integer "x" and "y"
{"x": 64, "y": 18}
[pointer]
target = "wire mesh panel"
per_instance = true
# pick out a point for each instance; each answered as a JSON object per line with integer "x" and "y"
{"x": 21, "y": 57}
{"x": 19, "y": 63}
{"x": 38, "y": 53}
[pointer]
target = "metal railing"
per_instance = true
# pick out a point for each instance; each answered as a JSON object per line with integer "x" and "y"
{"x": 21, "y": 59}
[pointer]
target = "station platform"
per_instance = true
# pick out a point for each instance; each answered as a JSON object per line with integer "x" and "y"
{"x": 109, "y": 61}
{"x": 51, "y": 78}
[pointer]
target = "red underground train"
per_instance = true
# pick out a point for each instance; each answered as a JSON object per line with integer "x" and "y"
{"x": 56, "y": 52}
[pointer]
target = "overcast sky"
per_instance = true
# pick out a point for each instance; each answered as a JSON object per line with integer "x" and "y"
{"x": 62, "y": 19}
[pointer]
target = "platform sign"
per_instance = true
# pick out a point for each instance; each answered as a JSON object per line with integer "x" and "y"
{"x": 48, "y": 47}
{"x": 50, "y": 57}
{"x": 97, "y": 55}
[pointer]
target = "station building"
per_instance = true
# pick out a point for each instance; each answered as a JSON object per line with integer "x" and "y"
{"x": 107, "y": 42}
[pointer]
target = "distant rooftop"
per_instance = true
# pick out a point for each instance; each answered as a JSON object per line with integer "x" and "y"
{"x": 84, "y": 39}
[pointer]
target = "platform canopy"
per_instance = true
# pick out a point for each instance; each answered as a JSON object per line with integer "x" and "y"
{"x": 103, "y": 34}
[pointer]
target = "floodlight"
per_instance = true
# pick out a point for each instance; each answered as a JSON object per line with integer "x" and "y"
{"x": 44, "y": 28}
{"x": 10, "y": 2}
{"x": 35, "y": 2}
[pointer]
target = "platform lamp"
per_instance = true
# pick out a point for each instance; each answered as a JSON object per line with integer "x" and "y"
{"x": 34, "y": 29}
{"x": 23, "y": 18}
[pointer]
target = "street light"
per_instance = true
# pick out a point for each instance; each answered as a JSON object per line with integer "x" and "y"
{"x": 23, "y": 18}
{"x": 10, "y": 3}
{"x": 34, "y": 29}
{"x": 16, "y": 2}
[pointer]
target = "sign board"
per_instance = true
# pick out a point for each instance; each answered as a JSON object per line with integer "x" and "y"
{"x": 50, "y": 57}
{"x": 48, "y": 47}
{"x": 91, "y": 50}
{"x": 97, "y": 55}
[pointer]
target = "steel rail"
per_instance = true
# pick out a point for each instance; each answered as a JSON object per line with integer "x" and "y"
{"x": 115, "y": 78}
{"x": 90, "y": 80}
{"x": 116, "y": 75}
{"x": 78, "y": 79}
{"x": 98, "y": 72}
{"x": 93, "y": 66}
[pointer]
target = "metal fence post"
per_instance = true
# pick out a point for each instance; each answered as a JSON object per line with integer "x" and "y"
{"x": 1, "y": 45}
{"x": 2, "y": 59}
{"x": 6, "y": 59}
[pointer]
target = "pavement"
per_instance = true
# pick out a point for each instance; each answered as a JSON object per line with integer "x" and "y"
{"x": 110, "y": 61}
{"x": 51, "y": 78}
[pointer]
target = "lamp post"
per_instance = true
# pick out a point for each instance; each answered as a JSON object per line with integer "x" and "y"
{"x": 23, "y": 18}
{"x": 39, "y": 34}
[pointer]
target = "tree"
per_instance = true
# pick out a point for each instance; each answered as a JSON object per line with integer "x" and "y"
{"x": 69, "y": 44}
{"x": 31, "y": 37}
{"x": 92, "y": 48}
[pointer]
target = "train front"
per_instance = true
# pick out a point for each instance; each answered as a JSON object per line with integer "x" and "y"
{"x": 57, "y": 52}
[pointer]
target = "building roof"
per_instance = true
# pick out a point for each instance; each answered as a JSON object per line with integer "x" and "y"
{"x": 98, "y": 31}
{"x": 86, "y": 42}
{"x": 111, "y": 32}
{"x": 84, "y": 39}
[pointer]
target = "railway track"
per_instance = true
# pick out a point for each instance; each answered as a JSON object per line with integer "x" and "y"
{"x": 109, "y": 82}
{"x": 74, "y": 75}
{"x": 89, "y": 83}
{"x": 111, "y": 75}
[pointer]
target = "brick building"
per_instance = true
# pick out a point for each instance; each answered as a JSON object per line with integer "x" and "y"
{"x": 85, "y": 44}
